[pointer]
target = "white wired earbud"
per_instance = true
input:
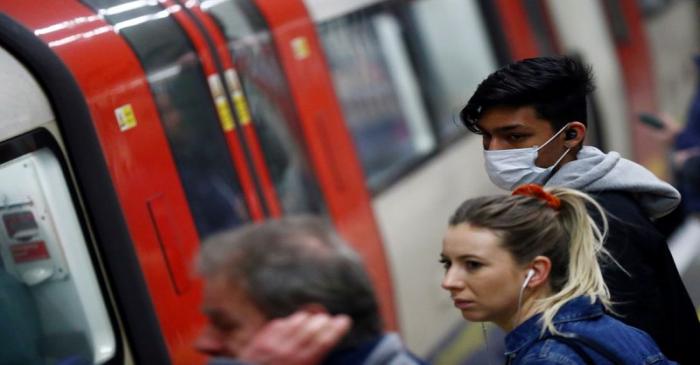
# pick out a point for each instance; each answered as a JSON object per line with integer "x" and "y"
{"x": 529, "y": 276}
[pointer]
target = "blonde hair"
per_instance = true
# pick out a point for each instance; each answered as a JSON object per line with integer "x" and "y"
{"x": 568, "y": 236}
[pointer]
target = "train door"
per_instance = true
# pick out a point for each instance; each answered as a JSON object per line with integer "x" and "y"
{"x": 624, "y": 19}
{"x": 167, "y": 158}
{"x": 55, "y": 300}
{"x": 263, "y": 101}
{"x": 238, "y": 40}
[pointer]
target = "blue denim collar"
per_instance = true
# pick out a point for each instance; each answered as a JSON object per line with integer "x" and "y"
{"x": 576, "y": 309}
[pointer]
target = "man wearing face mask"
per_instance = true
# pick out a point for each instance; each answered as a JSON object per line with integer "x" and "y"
{"x": 532, "y": 118}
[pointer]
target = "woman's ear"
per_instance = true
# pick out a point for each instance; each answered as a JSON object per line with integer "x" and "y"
{"x": 541, "y": 266}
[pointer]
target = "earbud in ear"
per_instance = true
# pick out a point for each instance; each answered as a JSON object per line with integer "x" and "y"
{"x": 529, "y": 276}
{"x": 570, "y": 134}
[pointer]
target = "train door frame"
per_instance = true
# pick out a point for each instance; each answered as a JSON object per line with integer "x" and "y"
{"x": 242, "y": 140}
{"x": 103, "y": 214}
{"x": 236, "y": 99}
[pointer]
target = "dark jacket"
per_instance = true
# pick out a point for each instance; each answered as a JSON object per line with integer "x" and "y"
{"x": 525, "y": 345}
{"x": 652, "y": 297}
{"x": 387, "y": 349}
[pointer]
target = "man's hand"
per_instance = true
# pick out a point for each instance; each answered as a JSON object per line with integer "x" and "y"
{"x": 300, "y": 339}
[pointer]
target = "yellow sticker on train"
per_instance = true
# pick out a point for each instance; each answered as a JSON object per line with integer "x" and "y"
{"x": 224, "y": 114}
{"x": 300, "y": 48}
{"x": 237, "y": 97}
{"x": 241, "y": 107}
{"x": 125, "y": 117}
{"x": 222, "y": 108}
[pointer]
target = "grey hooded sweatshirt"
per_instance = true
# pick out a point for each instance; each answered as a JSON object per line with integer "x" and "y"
{"x": 594, "y": 171}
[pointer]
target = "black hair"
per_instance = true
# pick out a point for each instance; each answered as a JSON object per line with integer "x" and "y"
{"x": 555, "y": 86}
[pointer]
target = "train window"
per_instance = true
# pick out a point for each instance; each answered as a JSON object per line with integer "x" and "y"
{"x": 452, "y": 54}
{"x": 378, "y": 91}
{"x": 186, "y": 109}
{"x": 273, "y": 115}
{"x": 51, "y": 307}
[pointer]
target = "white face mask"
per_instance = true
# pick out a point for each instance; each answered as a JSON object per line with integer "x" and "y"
{"x": 508, "y": 169}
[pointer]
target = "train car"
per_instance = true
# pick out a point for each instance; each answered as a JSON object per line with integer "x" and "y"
{"x": 130, "y": 130}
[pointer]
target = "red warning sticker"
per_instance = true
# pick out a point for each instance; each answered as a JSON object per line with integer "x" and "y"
{"x": 30, "y": 251}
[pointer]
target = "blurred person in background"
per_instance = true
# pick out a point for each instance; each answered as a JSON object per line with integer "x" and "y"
{"x": 532, "y": 116}
{"x": 529, "y": 263}
{"x": 684, "y": 141}
{"x": 290, "y": 291}
{"x": 686, "y": 157}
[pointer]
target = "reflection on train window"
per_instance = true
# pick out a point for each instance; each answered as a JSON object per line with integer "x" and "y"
{"x": 51, "y": 307}
{"x": 187, "y": 113}
{"x": 379, "y": 92}
{"x": 452, "y": 54}
{"x": 271, "y": 105}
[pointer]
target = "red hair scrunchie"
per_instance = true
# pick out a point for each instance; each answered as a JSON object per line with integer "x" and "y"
{"x": 536, "y": 191}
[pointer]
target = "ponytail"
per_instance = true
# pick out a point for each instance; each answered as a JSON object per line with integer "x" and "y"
{"x": 584, "y": 277}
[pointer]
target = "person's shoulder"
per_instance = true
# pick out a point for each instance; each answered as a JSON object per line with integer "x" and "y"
{"x": 624, "y": 213}
{"x": 609, "y": 335}
{"x": 391, "y": 351}
{"x": 618, "y": 202}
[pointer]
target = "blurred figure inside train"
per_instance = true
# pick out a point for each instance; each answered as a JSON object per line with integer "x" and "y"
{"x": 290, "y": 291}
{"x": 532, "y": 116}
{"x": 540, "y": 248}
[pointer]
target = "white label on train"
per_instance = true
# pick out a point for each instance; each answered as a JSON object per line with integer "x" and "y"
{"x": 125, "y": 117}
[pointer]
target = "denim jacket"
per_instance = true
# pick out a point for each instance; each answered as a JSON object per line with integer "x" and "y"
{"x": 585, "y": 319}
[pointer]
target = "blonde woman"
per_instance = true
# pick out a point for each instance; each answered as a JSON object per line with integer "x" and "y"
{"x": 529, "y": 263}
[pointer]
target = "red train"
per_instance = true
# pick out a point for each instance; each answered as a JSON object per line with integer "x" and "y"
{"x": 131, "y": 130}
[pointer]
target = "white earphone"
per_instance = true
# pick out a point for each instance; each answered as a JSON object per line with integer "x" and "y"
{"x": 529, "y": 276}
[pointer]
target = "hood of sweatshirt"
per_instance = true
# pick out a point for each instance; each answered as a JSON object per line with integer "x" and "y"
{"x": 595, "y": 171}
